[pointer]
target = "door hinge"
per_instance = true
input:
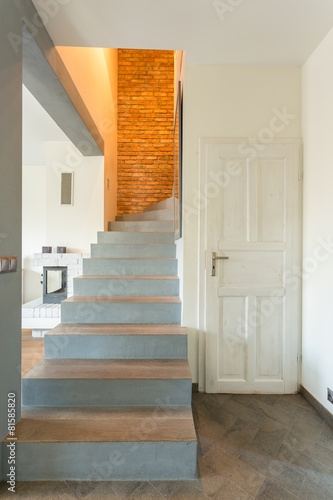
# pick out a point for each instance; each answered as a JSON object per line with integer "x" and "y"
{"x": 299, "y": 358}
{"x": 300, "y": 176}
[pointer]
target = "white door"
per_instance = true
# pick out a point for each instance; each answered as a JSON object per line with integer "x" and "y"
{"x": 252, "y": 306}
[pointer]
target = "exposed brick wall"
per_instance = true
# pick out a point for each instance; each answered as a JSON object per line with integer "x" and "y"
{"x": 145, "y": 128}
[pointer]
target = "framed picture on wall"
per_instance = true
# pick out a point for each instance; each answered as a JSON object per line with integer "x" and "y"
{"x": 67, "y": 189}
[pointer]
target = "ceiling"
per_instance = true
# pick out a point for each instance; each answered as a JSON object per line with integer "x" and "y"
{"x": 236, "y": 32}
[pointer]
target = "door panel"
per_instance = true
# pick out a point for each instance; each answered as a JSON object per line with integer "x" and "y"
{"x": 231, "y": 341}
{"x": 252, "y": 318}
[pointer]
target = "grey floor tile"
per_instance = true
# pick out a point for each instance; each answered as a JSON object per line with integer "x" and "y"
{"x": 275, "y": 412}
{"x": 214, "y": 433}
{"x": 271, "y": 491}
{"x": 250, "y": 446}
{"x": 326, "y": 436}
{"x": 313, "y": 491}
{"x": 199, "y": 419}
{"x": 269, "y": 399}
{"x": 166, "y": 488}
{"x": 52, "y": 490}
{"x": 221, "y": 398}
{"x": 322, "y": 454}
{"x": 204, "y": 445}
{"x": 285, "y": 476}
{"x": 295, "y": 399}
{"x": 240, "y": 473}
{"x": 315, "y": 471}
{"x": 3, "y": 487}
{"x": 230, "y": 491}
{"x": 306, "y": 432}
{"x": 103, "y": 492}
{"x": 269, "y": 437}
{"x": 296, "y": 411}
{"x": 196, "y": 396}
{"x": 306, "y": 404}
{"x": 20, "y": 491}
{"x": 249, "y": 414}
{"x": 81, "y": 489}
{"x": 243, "y": 399}
{"x": 211, "y": 410}
{"x": 125, "y": 488}
{"x": 210, "y": 481}
{"x": 323, "y": 449}
{"x": 256, "y": 459}
{"x": 237, "y": 437}
{"x": 187, "y": 491}
{"x": 146, "y": 491}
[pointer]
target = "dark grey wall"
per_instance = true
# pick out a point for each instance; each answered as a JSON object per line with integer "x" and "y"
{"x": 10, "y": 206}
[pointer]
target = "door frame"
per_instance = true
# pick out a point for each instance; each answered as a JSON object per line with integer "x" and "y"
{"x": 204, "y": 263}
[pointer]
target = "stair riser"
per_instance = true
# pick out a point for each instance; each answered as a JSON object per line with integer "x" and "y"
{"x": 120, "y": 312}
{"x": 123, "y": 267}
{"x": 135, "y": 238}
{"x": 123, "y": 461}
{"x": 133, "y": 251}
{"x": 145, "y": 226}
{"x": 126, "y": 287}
{"x": 115, "y": 346}
{"x": 161, "y": 205}
{"x": 151, "y": 215}
{"x": 106, "y": 392}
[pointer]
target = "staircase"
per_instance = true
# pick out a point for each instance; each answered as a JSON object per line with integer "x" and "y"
{"x": 111, "y": 400}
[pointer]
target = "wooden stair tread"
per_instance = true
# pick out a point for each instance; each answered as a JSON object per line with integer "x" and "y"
{"x": 111, "y": 369}
{"x": 132, "y": 258}
{"x": 126, "y": 277}
{"x": 125, "y": 299}
{"x": 148, "y": 220}
{"x": 126, "y": 244}
{"x": 117, "y": 329}
{"x": 138, "y": 232}
{"x": 105, "y": 424}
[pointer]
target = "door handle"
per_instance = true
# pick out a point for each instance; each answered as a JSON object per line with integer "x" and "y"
{"x": 216, "y": 257}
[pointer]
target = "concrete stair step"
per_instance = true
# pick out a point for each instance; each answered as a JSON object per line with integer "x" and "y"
{"x": 132, "y": 250}
{"x": 126, "y": 285}
{"x": 162, "y": 226}
{"x": 124, "y": 309}
{"x": 129, "y": 267}
{"x": 145, "y": 238}
{"x": 76, "y": 443}
{"x": 163, "y": 214}
{"x": 116, "y": 382}
{"x": 161, "y": 205}
{"x": 119, "y": 341}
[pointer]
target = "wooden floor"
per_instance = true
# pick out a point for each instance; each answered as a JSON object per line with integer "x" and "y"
{"x": 32, "y": 351}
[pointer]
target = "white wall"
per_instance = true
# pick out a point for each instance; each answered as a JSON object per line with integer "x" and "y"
{"x": 317, "y": 222}
{"x": 95, "y": 73}
{"x": 38, "y": 128}
{"x": 33, "y": 227}
{"x": 46, "y": 222}
{"x": 226, "y": 101}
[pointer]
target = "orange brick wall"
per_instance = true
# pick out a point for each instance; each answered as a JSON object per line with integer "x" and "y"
{"x": 145, "y": 128}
